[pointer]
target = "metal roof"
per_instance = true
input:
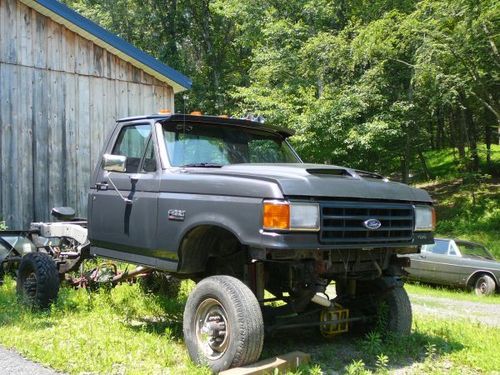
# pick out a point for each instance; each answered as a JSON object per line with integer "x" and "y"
{"x": 64, "y": 15}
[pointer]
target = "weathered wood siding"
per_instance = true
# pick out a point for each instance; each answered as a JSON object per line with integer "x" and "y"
{"x": 59, "y": 97}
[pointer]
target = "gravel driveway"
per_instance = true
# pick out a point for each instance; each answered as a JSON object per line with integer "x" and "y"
{"x": 441, "y": 307}
{"x": 12, "y": 363}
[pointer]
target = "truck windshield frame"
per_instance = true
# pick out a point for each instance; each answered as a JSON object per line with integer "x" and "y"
{"x": 213, "y": 146}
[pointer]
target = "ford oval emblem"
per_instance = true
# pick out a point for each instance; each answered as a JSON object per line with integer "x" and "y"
{"x": 372, "y": 224}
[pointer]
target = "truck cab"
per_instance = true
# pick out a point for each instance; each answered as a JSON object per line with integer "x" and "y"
{"x": 229, "y": 203}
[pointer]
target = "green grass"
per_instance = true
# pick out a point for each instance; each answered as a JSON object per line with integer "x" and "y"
{"x": 123, "y": 330}
{"x": 110, "y": 331}
{"x": 465, "y": 210}
{"x": 444, "y": 165}
{"x": 468, "y": 212}
{"x": 435, "y": 346}
{"x": 457, "y": 294}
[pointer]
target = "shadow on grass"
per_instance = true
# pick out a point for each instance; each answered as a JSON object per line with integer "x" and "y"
{"x": 337, "y": 353}
{"x": 170, "y": 325}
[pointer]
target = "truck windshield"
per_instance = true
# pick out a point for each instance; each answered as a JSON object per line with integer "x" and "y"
{"x": 214, "y": 146}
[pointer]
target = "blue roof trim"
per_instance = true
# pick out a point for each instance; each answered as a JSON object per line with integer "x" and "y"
{"x": 84, "y": 23}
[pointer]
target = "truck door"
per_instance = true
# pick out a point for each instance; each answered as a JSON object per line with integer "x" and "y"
{"x": 128, "y": 225}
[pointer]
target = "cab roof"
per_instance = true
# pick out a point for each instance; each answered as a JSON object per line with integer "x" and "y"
{"x": 212, "y": 120}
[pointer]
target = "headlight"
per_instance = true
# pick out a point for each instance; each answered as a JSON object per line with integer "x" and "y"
{"x": 425, "y": 218}
{"x": 280, "y": 215}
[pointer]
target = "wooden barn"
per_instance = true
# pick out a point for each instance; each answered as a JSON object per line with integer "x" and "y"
{"x": 63, "y": 82}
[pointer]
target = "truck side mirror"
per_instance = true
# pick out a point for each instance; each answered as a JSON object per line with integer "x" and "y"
{"x": 114, "y": 163}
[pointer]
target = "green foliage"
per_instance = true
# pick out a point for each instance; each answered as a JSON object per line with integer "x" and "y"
{"x": 370, "y": 84}
{"x": 2, "y": 225}
{"x": 469, "y": 212}
{"x": 122, "y": 330}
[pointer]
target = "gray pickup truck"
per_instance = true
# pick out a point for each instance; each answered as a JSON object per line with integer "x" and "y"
{"x": 229, "y": 204}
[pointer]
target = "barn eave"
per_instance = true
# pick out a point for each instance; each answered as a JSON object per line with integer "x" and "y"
{"x": 84, "y": 27}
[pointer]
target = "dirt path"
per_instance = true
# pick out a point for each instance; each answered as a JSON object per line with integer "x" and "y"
{"x": 442, "y": 307}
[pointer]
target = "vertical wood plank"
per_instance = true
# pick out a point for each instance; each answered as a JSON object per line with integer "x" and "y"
{"x": 25, "y": 139}
{"x": 121, "y": 95}
{"x": 40, "y": 144}
{"x": 10, "y": 30}
{"x": 68, "y": 50}
{"x": 53, "y": 45}
{"x": 96, "y": 117}
{"x": 110, "y": 107}
{"x": 24, "y": 34}
{"x": 97, "y": 63}
{"x": 83, "y": 56}
{"x": 56, "y": 169}
{"x": 83, "y": 142}
{"x": 138, "y": 101}
{"x": 148, "y": 100}
{"x": 71, "y": 123}
{"x": 39, "y": 45}
{"x": 10, "y": 180}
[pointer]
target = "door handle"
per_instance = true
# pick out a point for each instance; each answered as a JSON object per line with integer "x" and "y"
{"x": 423, "y": 256}
{"x": 101, "y": 185}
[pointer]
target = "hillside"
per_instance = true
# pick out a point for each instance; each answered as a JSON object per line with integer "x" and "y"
{"x": 466, "y": 210}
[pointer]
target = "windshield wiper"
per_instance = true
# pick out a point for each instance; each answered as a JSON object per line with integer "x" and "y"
{"x": 202, "y": 165}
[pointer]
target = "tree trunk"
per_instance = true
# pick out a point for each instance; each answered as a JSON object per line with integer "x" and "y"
{"x": 421, "y": 157}
{"x": 489, "y": 124}
{"x": 459, "y": 123}
{"x": 471, "y": 126}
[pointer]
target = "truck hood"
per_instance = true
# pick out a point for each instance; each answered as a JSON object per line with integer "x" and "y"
{"x": 318, "y": 180}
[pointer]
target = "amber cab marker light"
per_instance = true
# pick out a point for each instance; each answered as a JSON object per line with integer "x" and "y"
{"x": 164, "y": 111}
{"x": 223, "y": 116}
{"x": 276, "y": 215}
{"x": 195, "y": 113}
{"x": 433, "y": 219}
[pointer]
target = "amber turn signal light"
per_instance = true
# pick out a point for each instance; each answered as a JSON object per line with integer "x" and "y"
{"x": 276, "y": 215}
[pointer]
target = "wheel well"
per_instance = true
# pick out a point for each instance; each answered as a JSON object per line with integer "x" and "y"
{"x": 472, "y": 278}
{"x": 211, "y": 250}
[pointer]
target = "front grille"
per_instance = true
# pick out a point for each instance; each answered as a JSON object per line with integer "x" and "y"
{"x": 342, "y": 223}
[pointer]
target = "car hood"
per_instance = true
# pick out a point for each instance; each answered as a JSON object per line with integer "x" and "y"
{"x": 318, "y": 180}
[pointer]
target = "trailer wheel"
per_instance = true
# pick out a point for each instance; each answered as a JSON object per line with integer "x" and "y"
{"x": 37, "y": 280}
{"x": 223, "y": 325}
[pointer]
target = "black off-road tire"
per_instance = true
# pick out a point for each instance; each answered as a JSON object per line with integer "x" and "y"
{"x": 484, "y": 285}
{"x": 386, "y": 300}
{"x": 161, "y": 283}
{"x": 37, "y": 280}
{"x": 397, "y": 317}
{"x": 226, "y": 300}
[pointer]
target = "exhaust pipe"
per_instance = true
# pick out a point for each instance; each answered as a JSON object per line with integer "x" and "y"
{"x": 320, "y": 300}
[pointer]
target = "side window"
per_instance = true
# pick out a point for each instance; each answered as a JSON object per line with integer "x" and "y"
{"x": 439, "y": 247}
{"x": 132, "y": 143}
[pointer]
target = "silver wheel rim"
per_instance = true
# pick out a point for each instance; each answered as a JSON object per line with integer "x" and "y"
{"x": 482, "y": 287}
{"x": 212, "y": 328}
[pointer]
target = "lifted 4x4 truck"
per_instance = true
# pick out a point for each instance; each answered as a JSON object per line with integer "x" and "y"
{"x": 229, "y": 204}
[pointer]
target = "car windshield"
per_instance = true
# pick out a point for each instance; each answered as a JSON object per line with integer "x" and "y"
{"x": 439, "y": 247}
{"x": 214, "y": 146}
{"x": 470, "y": 250}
